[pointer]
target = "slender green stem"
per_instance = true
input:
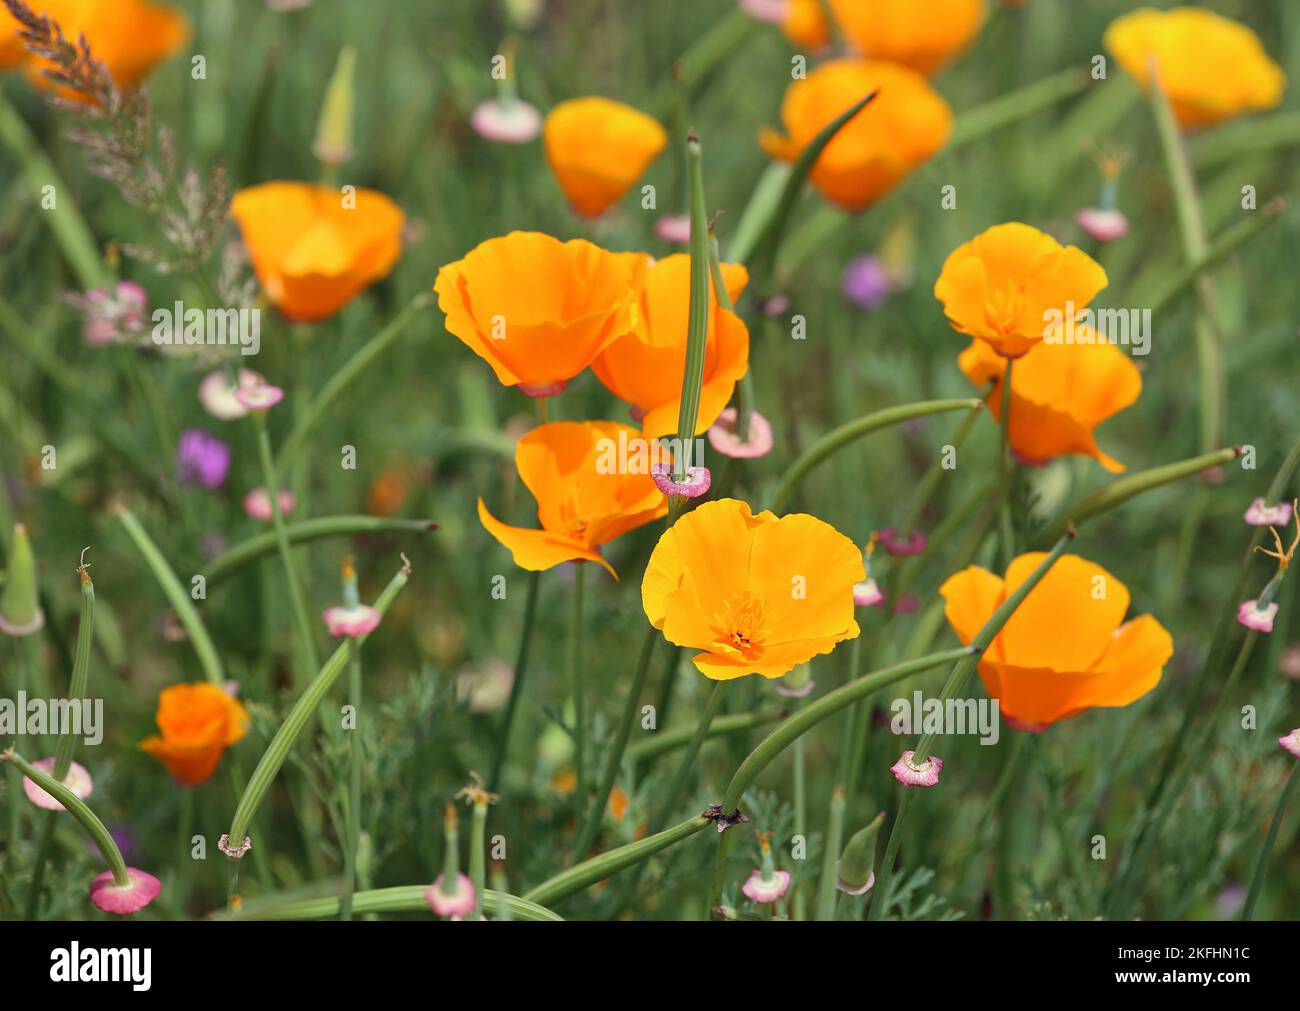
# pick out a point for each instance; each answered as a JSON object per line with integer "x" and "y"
{"x": 671, "y": 796}
{"x": 976, "y": 123}
{"x": 800, "y": 791}
{"x": 297, "y": 601}
{"x": 831, "y": 855}
{"x": 180, "y": 601}
{"x": 517, "y": 686}
{"x": 697, "y": 325}
{"x": 577, "y": 689}
{"x": 837, "y": 439}
{"x": 1261, "y": 863}
{"x": 884, "y": 880}
{"x": 400, "y": 899}
{"x": 478, "y": 856}
{"x": 353, "y": 808}
{"x": 184, "y": 831}
{"x": 669, "y": 740}
{"x": 704, "y": 55}
{"x": 1005, "y": 465}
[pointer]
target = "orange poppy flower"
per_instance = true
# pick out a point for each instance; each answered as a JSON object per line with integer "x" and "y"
{"x": 130, "y": 37}
{"x": 903, "y": 127}
{"x": 1006, "y": 285}
{"x": 198, "y": 722}
{"x": 536, "y": 309}
{"x": 757, "y": 594}
{"x": 645, "y": 367}
{"x": 1184, "y": 42}
{"x": 598, "y": 148}
{"x": 315, "y": 248}
{"x": 1064, "y": 649}
{"x": 923, "y": 36}
{"x": 805, "y": 25}
{"x": 1059, "y": 394}
{"x": 590, "y": 487}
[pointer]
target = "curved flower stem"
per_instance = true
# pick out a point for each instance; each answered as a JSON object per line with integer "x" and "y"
{"x": 352, "y": 809}
{"x": 831, "y": 855}
{"x": 78, "y": 809}
{"x": 297, "y": 602}
{"x": 838, "y": 438}
{"x": 956, "y": 686}
{"x": 400, "y": 899}
{"x": 1005, "y": 471}
{"x": 180, "y": 601}
{"x": 573, "y": 665}
{"x": 268, "y": 767}
{"x": 1261, "y": 863}
{"x": 517, "y": 686}
{"x": 261, "y": 545}
{"x": 77, "y": 690}
{"x": 615, "y": 749}
{"x": 340, "y": 381}
{"x": 697, "y": 325}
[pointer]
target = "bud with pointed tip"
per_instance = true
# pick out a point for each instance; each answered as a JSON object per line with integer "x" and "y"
{"x": 853, "y": 873}
{"x": 333, "y": 143}
{"x": 20, "y": 610}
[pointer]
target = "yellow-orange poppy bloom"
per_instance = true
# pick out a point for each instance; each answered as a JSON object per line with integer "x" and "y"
{"x": 903, "y": 127}
{"x": 130, "y": 37}
{"x": 645, "y": 367}
{"x": 756, "y": 594}
{"x": 1007, "y": 285}
{"x": 196, "y": 723}
{"x": 805, "y": 25}
{"x": 923, "y": 36}
{"x": 1211, "y": 67}
{"x": 1059, "y": 394}
{"x": 315, "y": 248}
{"x": 598, "y": 148}
{"x": 536, "y": 309}
{"x": 1066, "y": 648}
{"x": 592, "y": 482}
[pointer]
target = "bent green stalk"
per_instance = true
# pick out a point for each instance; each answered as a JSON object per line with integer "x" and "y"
{"x": 697, "y": 326}
{"x": 517, "y": 685}
{"x": 573, "y": 667}
{"x": 399, "y": 899}
{"x": 353, "y": 813}
{"x": 180, "y": 601}
{"x": 838, "y": 438}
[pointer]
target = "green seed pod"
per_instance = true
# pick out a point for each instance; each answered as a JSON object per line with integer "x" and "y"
{"x": 20, "y": 611}
{"x": 854, "y": 871}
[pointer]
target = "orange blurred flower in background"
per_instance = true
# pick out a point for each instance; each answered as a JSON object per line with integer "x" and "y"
{"x": 130, "y": 37}
{"x": 1064, "y": 649}
{"x": 805, "y": 24}
{"x": 1059, "y": 394}
{"x": 1211, "y": 67}
{"x": 923, "y": 36}
{"x": 756, "y": 594}
{"x": 645, "y": 367}
{"x": 598, "y": 148}
{"x": 198, "y": 722}
{"x": 536, "y": 309}
{"x": 906, "y": 124}
{"x": 1005, "y": 286}
{"x": 587, "y": 493}
{"x": 315, "y": 248}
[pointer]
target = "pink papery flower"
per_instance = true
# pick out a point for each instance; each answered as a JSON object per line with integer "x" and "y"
{"x": 353, "y": 622}
{"x": 77, "y": 780}
{"x": 507, "y": 122}
{"x": 924, "y": 774}
{"x": 867, "y": 594}
{"x": 1102, "y": 225}
{"x": 698, "y": 480}
{"x": 112, "y": 316}
{"x": 1291, "y": 743}
{"x": 1260, "y": 619}
{"x": 217, "y": 393}
{"x": 900, "y": 544}
{"x": 763, "y": 889}
{"x": 862, "y": 890}
{"x": 542, "y": 389}
{"x": 1261, "y": 515}
{"x": 771, "y": 11}
{"x": 259, "y": 398}
{"x": 724, "y": 440}
{"x": 675, "y": 228}
{"x": 257, "y": 504}
{"x": 459, "y": 904}
{"x": 140, "y": 890}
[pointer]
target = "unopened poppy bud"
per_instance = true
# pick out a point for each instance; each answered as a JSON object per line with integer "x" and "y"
{"x": 20, "y": 611}
{"x": 853, "y": 873}
{"x": 333, "y": 143}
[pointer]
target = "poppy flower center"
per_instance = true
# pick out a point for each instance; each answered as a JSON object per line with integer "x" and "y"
{"x": 1004, "y": 309}
{"x": 570, "y": 520}
{"x": 740, "y": 627}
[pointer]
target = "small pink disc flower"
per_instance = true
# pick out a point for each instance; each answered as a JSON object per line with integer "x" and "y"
{"x": 217, "y": 393}
{"x": 868, "y": 594}
{"x": 507, "y": 122}
{"x": 353, "y": 622}
{"x": 1255, "y": 617}
{"x": 1262, "y": 515}
{"x": 1291, "y": 742}
{"x": 724, "y": 439}
{"x": 900, "y": 544}
{"x": 77, "y": 780}
{"x": 765, "y": 889}
{"x": 257, "y": 504}
{"x": 1102, "y": 225}
{"x": 923, "y": 774}
{"x": 259, "y": 398}
{"x": 458, "y": 903}
{"x": 698, "y": 480}
{"x": 140, "y": 890}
